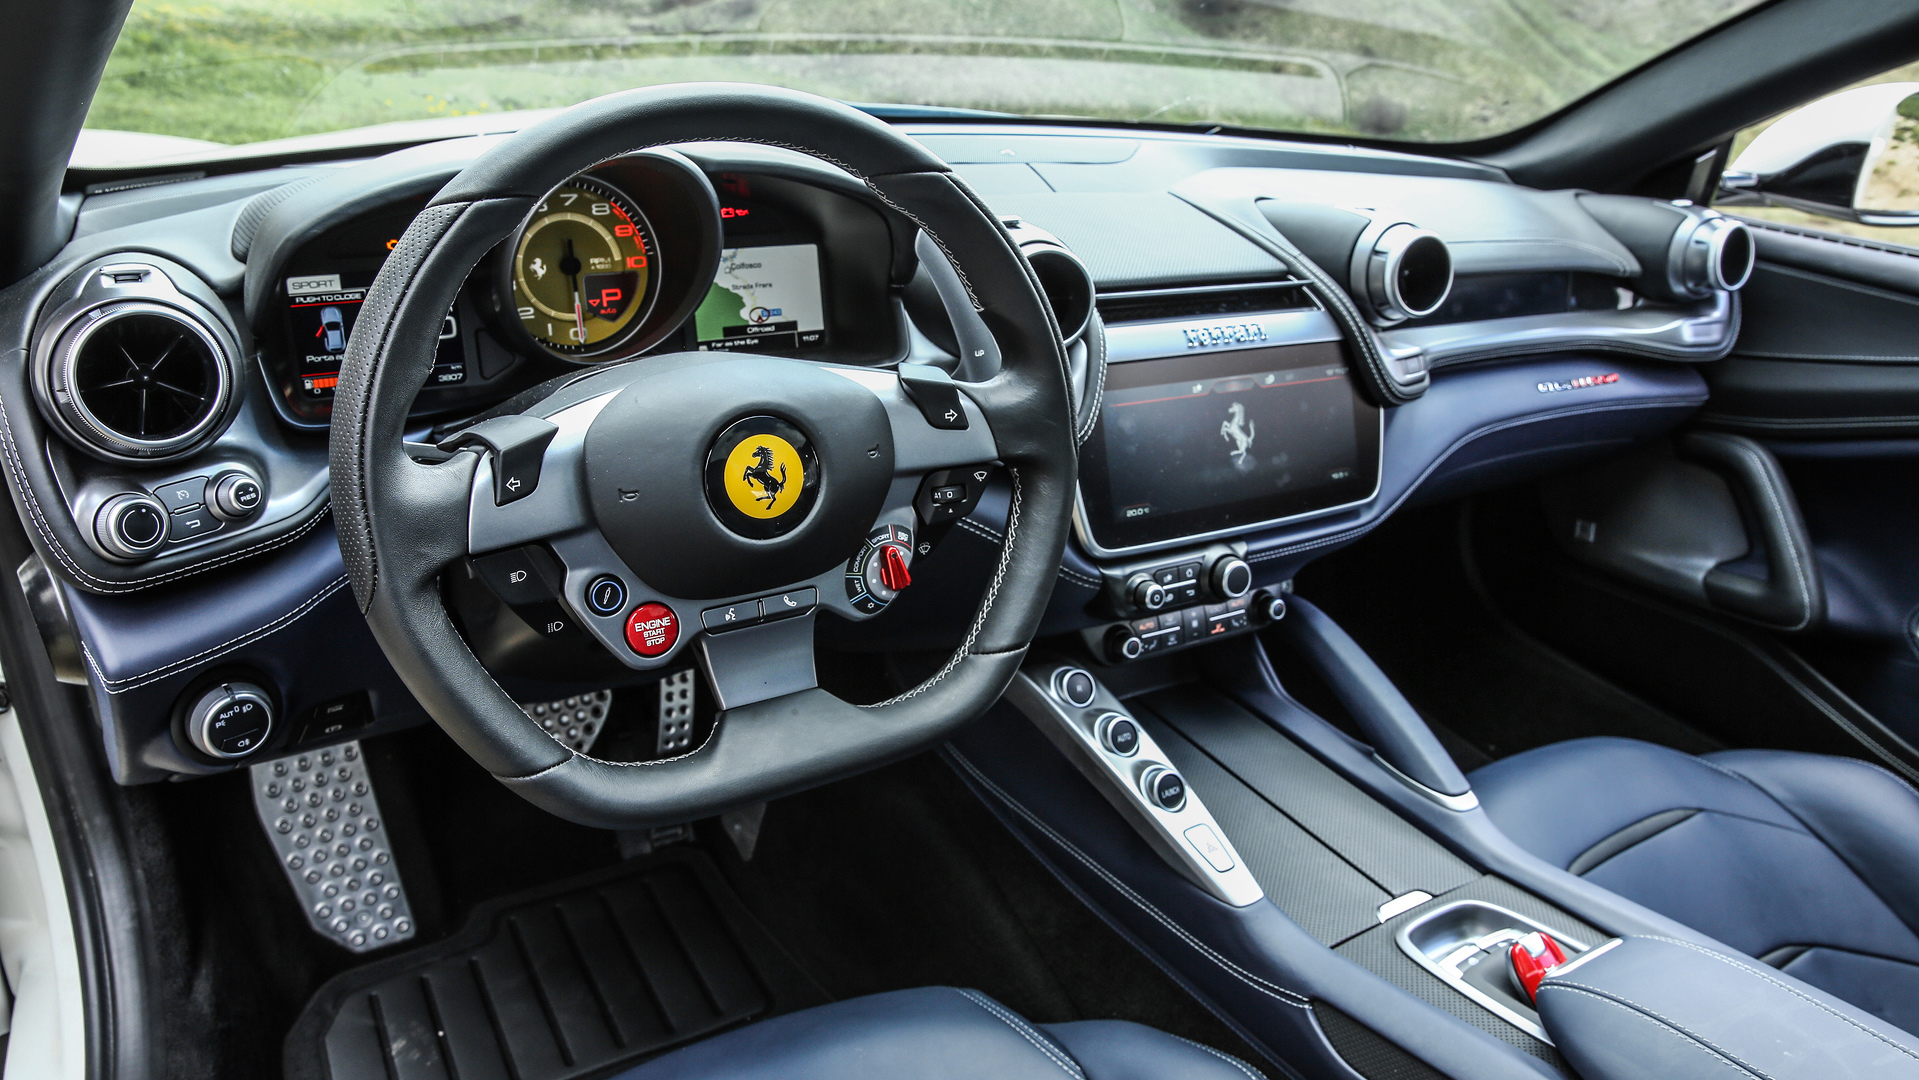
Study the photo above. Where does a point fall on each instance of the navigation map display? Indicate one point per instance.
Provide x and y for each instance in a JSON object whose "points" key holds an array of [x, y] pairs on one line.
{"points": [[764, 298], [1192, 445]]}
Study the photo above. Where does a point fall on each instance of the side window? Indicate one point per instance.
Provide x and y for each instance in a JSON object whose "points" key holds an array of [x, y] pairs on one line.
{"points": [[1847, 163]]}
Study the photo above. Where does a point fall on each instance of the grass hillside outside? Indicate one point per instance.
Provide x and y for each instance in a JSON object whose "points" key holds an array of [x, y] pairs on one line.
{"points": [[239, 71]]}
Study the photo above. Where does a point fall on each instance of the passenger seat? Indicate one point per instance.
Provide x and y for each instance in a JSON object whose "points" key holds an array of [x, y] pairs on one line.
{"points": [[1807, 862]]}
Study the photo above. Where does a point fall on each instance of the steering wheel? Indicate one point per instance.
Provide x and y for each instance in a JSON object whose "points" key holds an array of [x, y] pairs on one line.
{"points": [[621, 481]]}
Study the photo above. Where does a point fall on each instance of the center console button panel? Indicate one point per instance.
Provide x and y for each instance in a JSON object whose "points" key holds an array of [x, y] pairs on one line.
{"points": [[1113, 750], [1180, 599]]}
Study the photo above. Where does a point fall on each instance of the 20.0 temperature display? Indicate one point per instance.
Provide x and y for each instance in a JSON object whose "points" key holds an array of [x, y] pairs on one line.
{"points": [[584, 269]]}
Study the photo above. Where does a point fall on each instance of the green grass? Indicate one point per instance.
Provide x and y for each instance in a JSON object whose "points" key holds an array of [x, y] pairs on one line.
{"points": [[238, 71]]}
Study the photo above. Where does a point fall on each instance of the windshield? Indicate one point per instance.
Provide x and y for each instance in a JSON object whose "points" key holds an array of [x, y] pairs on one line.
{"points": [[186, 75]]}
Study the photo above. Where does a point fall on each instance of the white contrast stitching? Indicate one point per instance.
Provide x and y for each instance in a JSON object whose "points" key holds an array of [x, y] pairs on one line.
{"points": [[133, 682], [1278, 993], [1248, 1070], [1640, 1010], [1025, 1030], [977, 529], [1807, 998], [1095, 392]]}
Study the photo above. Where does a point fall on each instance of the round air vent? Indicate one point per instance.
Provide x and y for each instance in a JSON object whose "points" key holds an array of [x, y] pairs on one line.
{"points": [[1408, 273], [1068, 286], [139, 380], [1713, 252]]}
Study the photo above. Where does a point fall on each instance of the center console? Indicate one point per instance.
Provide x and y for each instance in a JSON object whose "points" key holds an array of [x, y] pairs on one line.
{"points": [[1339, 900]]}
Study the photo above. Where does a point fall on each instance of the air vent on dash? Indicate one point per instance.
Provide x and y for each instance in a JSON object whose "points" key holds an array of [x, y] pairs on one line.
{"points": [[1210, 301], [139, 380]]}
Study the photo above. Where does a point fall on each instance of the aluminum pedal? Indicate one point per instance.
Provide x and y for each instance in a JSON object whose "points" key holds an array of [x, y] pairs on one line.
{"points": [[676, 713], [576, 721], [324, 822]]}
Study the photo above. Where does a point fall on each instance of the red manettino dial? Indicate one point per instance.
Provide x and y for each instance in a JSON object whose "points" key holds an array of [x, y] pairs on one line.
{"points": [[893, 573], [652, 629]]}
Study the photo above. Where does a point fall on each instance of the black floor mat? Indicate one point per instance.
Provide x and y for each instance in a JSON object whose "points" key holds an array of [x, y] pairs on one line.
{"points": [[572, 981]]}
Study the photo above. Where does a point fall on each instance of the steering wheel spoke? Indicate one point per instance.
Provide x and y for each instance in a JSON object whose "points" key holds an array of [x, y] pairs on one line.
{"points": [[555, 502], [751, 664]]}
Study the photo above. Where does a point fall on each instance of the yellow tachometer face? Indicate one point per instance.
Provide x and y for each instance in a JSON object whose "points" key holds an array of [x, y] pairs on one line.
{"points": [[582, 271]]}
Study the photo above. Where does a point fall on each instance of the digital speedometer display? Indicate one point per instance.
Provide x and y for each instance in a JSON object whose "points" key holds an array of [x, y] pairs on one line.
{"points": [[584, 269]]}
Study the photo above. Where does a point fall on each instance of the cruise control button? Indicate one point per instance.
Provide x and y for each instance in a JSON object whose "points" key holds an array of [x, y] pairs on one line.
{"points": [[788, 605], [182, 494], [719, 620], [652, 629]]}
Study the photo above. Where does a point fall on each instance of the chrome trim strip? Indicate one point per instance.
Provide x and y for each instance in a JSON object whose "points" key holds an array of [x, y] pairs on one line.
{"points": [[1199, 290], [1188, 337], [1075, 731], [1681, 333], [1459, 804], [1572, 965]]}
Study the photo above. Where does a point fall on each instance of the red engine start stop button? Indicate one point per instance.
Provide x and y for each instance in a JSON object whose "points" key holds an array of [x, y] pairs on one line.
{"points": [[652, 629]]}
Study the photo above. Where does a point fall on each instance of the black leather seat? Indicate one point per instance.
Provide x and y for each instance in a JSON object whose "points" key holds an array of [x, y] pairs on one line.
{"points": [[939, 1033], [1809, 863]]}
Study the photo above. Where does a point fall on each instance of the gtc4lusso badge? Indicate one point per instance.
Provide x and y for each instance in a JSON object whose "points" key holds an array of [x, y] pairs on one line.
{"points": [[762, 477]]}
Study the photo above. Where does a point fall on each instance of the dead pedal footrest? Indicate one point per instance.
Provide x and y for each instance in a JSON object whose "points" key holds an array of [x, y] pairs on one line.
{"points": [[320, 812]]}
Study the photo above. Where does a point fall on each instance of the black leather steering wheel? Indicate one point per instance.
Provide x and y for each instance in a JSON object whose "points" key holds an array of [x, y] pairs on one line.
{"points": [[622, 483]]}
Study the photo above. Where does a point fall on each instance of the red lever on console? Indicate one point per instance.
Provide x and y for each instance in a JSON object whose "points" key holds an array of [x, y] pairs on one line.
{"points": [[893, 573], [1534, 958]]}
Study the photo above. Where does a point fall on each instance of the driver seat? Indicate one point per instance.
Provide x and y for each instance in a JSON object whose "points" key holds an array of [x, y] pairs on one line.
{"points": [[1807, 862], [939, 1033]]}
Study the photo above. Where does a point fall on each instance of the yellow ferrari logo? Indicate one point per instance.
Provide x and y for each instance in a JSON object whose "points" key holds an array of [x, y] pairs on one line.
{"points": [[764, 476]]}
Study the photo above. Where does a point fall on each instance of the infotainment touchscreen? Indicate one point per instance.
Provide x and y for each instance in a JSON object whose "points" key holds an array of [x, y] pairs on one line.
{"points": [[764, 298], [1190, 446]]}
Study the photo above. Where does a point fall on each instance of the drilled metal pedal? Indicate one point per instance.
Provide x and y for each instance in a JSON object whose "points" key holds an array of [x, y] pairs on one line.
{"points": [[576, 721], [676, 713], [324, 821]]}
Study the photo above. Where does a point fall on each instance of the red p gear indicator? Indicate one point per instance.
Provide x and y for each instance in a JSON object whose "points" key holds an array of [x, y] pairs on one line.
{"points": [[652, 629]]}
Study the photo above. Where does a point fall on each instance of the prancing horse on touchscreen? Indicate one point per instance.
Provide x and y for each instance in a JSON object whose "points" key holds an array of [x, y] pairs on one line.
{"points": [[1238, 430]]}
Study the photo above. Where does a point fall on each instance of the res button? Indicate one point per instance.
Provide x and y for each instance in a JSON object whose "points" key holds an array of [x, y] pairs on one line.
{"points": [[652, 629]]}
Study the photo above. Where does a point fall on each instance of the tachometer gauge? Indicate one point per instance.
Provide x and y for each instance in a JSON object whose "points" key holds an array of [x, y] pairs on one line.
{"points": [[584, 269]]}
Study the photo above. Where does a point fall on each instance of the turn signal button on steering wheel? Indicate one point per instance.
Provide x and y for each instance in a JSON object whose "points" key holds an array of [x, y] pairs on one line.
{"points": [[652, 629]]}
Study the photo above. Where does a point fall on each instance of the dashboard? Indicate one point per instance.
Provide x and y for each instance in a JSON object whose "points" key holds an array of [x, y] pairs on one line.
{"points": [[1273, 346]]}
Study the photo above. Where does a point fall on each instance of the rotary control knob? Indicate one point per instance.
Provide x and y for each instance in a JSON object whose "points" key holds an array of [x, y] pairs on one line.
{"points": [[880, 569], [1268, 607], [1123, 645], [235, 495], [230, 721], [131, 526], [1145, 593], [1231, 578]]}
